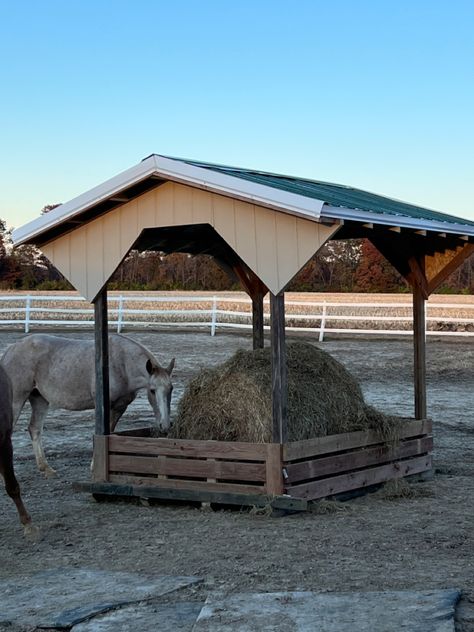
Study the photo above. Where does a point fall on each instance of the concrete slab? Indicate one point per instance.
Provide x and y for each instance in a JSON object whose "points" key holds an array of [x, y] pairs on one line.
{"points": [[61, 598], [169, 617], [390, 611]]}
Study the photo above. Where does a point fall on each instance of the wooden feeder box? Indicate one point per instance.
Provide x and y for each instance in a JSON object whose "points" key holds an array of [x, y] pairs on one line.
{"points": [[285, 476]]}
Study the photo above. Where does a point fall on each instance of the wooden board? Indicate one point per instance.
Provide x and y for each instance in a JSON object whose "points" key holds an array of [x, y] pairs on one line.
{"points": [[197, 468], [339, 442], [183, 447], [100, 466], [142, 491], [186, 484], [355, 480], [337, 463]]}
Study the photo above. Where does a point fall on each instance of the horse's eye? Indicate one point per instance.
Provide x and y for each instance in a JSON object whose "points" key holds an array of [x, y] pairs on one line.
{"points": [[152, 391]]}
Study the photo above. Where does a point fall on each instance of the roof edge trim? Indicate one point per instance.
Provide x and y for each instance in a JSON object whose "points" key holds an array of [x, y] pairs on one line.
{"points": [[344, 213], [76, 205], [174, 170]]}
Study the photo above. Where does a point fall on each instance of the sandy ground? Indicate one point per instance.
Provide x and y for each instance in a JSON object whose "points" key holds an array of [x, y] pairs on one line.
{"points": [[373, 544]]}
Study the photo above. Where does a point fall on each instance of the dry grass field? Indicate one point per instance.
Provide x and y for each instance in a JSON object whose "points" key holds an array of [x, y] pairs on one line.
{"points": [[446, 313]]}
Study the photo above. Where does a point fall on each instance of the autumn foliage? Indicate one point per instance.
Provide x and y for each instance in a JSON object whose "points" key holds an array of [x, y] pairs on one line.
{"points": [[353, 265]]}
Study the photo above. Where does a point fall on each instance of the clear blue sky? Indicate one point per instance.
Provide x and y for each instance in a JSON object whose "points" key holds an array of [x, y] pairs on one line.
{"points": [[378, 94]]}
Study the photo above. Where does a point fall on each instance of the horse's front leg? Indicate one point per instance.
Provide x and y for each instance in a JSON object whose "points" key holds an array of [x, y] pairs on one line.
{"points": [[39, 408], [117, 409]]}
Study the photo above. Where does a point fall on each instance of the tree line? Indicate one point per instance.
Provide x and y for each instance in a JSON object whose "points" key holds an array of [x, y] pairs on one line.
{"points": [[353, 265]]}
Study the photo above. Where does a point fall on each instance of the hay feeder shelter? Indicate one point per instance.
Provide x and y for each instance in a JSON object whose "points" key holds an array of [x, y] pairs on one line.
{"points": [[262, 228]]}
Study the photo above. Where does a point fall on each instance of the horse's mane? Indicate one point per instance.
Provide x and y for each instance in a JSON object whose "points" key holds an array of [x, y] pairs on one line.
{"points": [[148, 353]]}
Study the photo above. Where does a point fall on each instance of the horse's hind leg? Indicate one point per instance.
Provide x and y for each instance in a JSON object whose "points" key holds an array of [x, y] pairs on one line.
{"points": [[39, 409], [11, 484]]}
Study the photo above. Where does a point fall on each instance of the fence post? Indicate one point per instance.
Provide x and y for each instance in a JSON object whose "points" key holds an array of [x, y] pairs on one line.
{"points": [[323, 323], [27, 314], [120, 314], [214, 316]]}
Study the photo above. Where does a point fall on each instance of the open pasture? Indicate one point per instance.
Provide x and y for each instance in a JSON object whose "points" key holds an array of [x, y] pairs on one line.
{"points": [[368, 543]]}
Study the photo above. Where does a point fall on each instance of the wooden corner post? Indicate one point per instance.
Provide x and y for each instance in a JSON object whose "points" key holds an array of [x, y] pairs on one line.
{"points": [[419, 336], [279, 371], [102, 396], [257, 320], [420, 294]]}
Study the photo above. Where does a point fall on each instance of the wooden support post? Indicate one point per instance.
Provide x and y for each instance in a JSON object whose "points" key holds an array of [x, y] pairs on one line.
{"points": [[419, 339], [279, 371], [100, 463], [102, 395], [257, 320], [256, 289], [273, 469]]}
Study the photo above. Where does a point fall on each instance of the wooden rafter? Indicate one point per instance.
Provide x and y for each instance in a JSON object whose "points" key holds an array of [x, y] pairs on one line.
{"points": [[442, 265]]}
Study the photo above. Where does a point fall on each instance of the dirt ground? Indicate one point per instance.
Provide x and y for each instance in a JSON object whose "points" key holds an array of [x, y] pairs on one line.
{"points": [[372, 544]]}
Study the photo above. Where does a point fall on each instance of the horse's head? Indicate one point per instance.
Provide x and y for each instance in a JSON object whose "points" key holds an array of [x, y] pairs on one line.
{"points": [[159, 393]]}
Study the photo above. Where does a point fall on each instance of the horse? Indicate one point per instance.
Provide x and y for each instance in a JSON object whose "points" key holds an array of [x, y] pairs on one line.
{"points": [[6, 453], [57, 372]]}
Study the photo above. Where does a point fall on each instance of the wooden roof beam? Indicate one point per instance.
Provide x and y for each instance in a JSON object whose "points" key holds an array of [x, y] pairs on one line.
{"points": [[417, 277], [450, 267]]}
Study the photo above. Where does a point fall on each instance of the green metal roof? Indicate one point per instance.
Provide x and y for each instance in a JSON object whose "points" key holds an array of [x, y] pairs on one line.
{"points": [[333, 194]]}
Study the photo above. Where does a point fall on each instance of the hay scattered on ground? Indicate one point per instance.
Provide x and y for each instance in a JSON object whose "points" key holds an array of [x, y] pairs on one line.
{"points": [[324, 507], [399, 488], [232, 402]]}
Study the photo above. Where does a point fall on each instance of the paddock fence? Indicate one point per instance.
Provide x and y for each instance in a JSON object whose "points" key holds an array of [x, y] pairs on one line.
{"points": [[215, 313]]}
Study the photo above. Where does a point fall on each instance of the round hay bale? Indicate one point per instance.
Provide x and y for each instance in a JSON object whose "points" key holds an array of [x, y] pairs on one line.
{"points": [[232, 401]]}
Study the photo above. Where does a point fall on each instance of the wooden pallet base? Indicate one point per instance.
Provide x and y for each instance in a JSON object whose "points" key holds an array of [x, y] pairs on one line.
{"points": [[160, 493]]}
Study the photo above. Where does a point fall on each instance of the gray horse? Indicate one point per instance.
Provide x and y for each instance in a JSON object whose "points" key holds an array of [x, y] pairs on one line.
{"points": [[6, 453], [60, 372]]}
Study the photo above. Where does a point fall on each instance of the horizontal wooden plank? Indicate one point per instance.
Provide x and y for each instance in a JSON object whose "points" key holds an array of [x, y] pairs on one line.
{"points": [[142, 491], [363, 478], [337, 463], [346, 441], [168, 466], [181, 484], [184, 447], [146, 431]]}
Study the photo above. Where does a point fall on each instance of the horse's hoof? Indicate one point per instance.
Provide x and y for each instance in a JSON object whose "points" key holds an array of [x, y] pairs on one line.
{"points": [[31, 532]]}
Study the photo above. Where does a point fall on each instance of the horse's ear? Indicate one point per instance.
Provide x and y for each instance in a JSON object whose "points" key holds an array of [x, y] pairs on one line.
{"points": [[170, 368], [149, 367]]}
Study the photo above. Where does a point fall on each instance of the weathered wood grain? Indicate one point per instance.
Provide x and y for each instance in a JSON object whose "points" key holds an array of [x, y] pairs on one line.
{"points": [[339, 442], [347, 461], [166, 466], [362, 478], [184, 447]]}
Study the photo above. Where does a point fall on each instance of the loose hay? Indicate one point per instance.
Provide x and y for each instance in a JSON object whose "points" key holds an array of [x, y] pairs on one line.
{"points": [[399, 488], [232, 402], [324, 507]]}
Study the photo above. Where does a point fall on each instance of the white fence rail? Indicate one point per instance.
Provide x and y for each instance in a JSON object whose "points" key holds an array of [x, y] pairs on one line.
{"points": [[216, 312]]}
